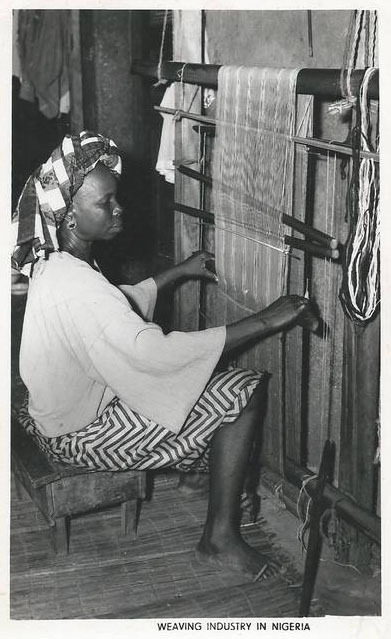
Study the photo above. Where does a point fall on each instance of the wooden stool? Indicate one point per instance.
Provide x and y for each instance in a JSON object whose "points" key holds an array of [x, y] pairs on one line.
{"points": [[61, 491]]}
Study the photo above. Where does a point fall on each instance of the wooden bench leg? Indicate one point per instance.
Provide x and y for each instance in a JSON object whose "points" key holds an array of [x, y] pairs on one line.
{"points": [[20, 491], [60, 531], [130, 511]]}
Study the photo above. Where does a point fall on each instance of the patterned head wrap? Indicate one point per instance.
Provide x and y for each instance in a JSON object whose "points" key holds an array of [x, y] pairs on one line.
{"points": [[48, 193]]}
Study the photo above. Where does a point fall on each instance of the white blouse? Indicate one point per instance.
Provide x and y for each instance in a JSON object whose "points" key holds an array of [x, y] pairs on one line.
{"points": [[83, 344]]}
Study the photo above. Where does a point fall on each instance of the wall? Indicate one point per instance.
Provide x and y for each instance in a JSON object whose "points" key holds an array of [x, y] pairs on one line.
{"points": [[276, 38]]}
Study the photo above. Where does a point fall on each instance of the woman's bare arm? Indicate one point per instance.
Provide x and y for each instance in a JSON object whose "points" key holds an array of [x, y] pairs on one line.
{"points": [[280, 315]]}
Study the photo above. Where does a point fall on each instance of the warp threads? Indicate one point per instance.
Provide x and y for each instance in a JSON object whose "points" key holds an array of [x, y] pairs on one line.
{"points": [[253, 181]]}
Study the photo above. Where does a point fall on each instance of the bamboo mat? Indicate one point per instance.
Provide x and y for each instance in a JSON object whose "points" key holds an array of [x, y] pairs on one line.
{"points": [[109, 576]]}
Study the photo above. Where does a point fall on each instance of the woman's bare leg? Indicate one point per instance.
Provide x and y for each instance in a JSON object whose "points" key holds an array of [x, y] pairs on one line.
{"points": [[221, 541]]}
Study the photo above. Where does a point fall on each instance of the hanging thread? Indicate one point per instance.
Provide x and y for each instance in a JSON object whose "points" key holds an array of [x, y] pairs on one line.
{"points": [[360, 22], [303, 511], [177, 115], [360, 293]]}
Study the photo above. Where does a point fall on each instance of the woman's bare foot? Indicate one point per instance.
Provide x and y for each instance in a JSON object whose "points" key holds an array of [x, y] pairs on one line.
{"points": [[238, 556]]}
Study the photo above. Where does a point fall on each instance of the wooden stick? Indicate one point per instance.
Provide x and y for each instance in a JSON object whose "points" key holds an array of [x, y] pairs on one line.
{"points": [[311, 142], [208, 129], [309, 247], [319, 236], [315, 249], [260, 573], [309, 32], [194, 174], [189, 115], [193, 212], [315, 540], [337, 147]]}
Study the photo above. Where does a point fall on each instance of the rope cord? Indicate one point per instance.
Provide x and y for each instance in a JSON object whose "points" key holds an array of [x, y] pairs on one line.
{"points": [[360, 21], [304, 513], [346, 88], [161, 80], [181, 109], [360, 293]]}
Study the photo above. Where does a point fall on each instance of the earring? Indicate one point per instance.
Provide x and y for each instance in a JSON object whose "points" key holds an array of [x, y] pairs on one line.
{"points": [[72, 225]]}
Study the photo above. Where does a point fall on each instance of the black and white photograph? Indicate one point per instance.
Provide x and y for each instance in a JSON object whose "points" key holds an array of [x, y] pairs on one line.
{"points": [[195, 385]]}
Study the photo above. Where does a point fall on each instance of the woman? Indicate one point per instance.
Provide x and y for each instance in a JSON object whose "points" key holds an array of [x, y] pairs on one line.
{"points": [[107, 389]]}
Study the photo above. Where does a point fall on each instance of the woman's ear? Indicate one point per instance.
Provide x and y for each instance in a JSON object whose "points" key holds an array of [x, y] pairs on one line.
{"points": [[70, 218]]}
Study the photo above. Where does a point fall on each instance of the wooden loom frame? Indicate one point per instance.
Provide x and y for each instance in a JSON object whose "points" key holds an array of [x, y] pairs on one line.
{"points": [[322, 83]]}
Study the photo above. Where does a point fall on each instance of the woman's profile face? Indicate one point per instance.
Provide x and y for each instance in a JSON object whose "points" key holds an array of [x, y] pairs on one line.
{"points": [[97, 213]]}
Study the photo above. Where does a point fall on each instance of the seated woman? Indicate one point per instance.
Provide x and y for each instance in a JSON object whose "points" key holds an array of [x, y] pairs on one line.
{"points": [[107, 389]]}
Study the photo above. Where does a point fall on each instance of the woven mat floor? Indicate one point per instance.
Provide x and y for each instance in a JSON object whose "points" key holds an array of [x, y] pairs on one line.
{"points": [[109, 576]]}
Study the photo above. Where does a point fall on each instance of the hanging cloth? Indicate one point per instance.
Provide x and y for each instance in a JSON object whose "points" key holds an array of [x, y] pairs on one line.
{"points": [[43, 58], [165, 161]]}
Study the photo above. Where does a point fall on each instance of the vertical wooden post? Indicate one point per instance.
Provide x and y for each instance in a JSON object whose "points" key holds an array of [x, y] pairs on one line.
{"points": [[187, 236], [87, 52], [114, 99], [60, 532], [357, 473], [115, 104], [293, 374], [75, 73], [130, 511], [360, 406], [326, 470]]}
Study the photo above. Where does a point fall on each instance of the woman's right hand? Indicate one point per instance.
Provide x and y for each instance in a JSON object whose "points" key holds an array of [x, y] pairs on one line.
{"points": [[280, 315], [283, 312]]}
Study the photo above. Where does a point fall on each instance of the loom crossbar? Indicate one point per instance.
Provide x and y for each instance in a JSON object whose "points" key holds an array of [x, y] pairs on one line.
{"points": [[368, 523], [185, 170], [315, 249], [309, 247], [319, 236], [189, 115], [336, 147], [323, 83], [193, 212], [327, 145], [288, 487]]}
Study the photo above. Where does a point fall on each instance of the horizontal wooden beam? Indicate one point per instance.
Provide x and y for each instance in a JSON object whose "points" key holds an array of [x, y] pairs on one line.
{"points": [[179, 113], [193, 212], [334, 147], [323, 83], [288, 489], [347, 509], [196, 175], [203, 74], [311, 248]]}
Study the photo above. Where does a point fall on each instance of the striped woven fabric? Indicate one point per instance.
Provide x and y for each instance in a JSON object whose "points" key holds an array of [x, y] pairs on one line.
{"points": [[48, 193], [121, 439]]}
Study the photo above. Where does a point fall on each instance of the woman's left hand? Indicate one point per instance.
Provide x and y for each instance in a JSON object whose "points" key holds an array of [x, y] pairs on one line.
{"points": [[200, 265]]}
